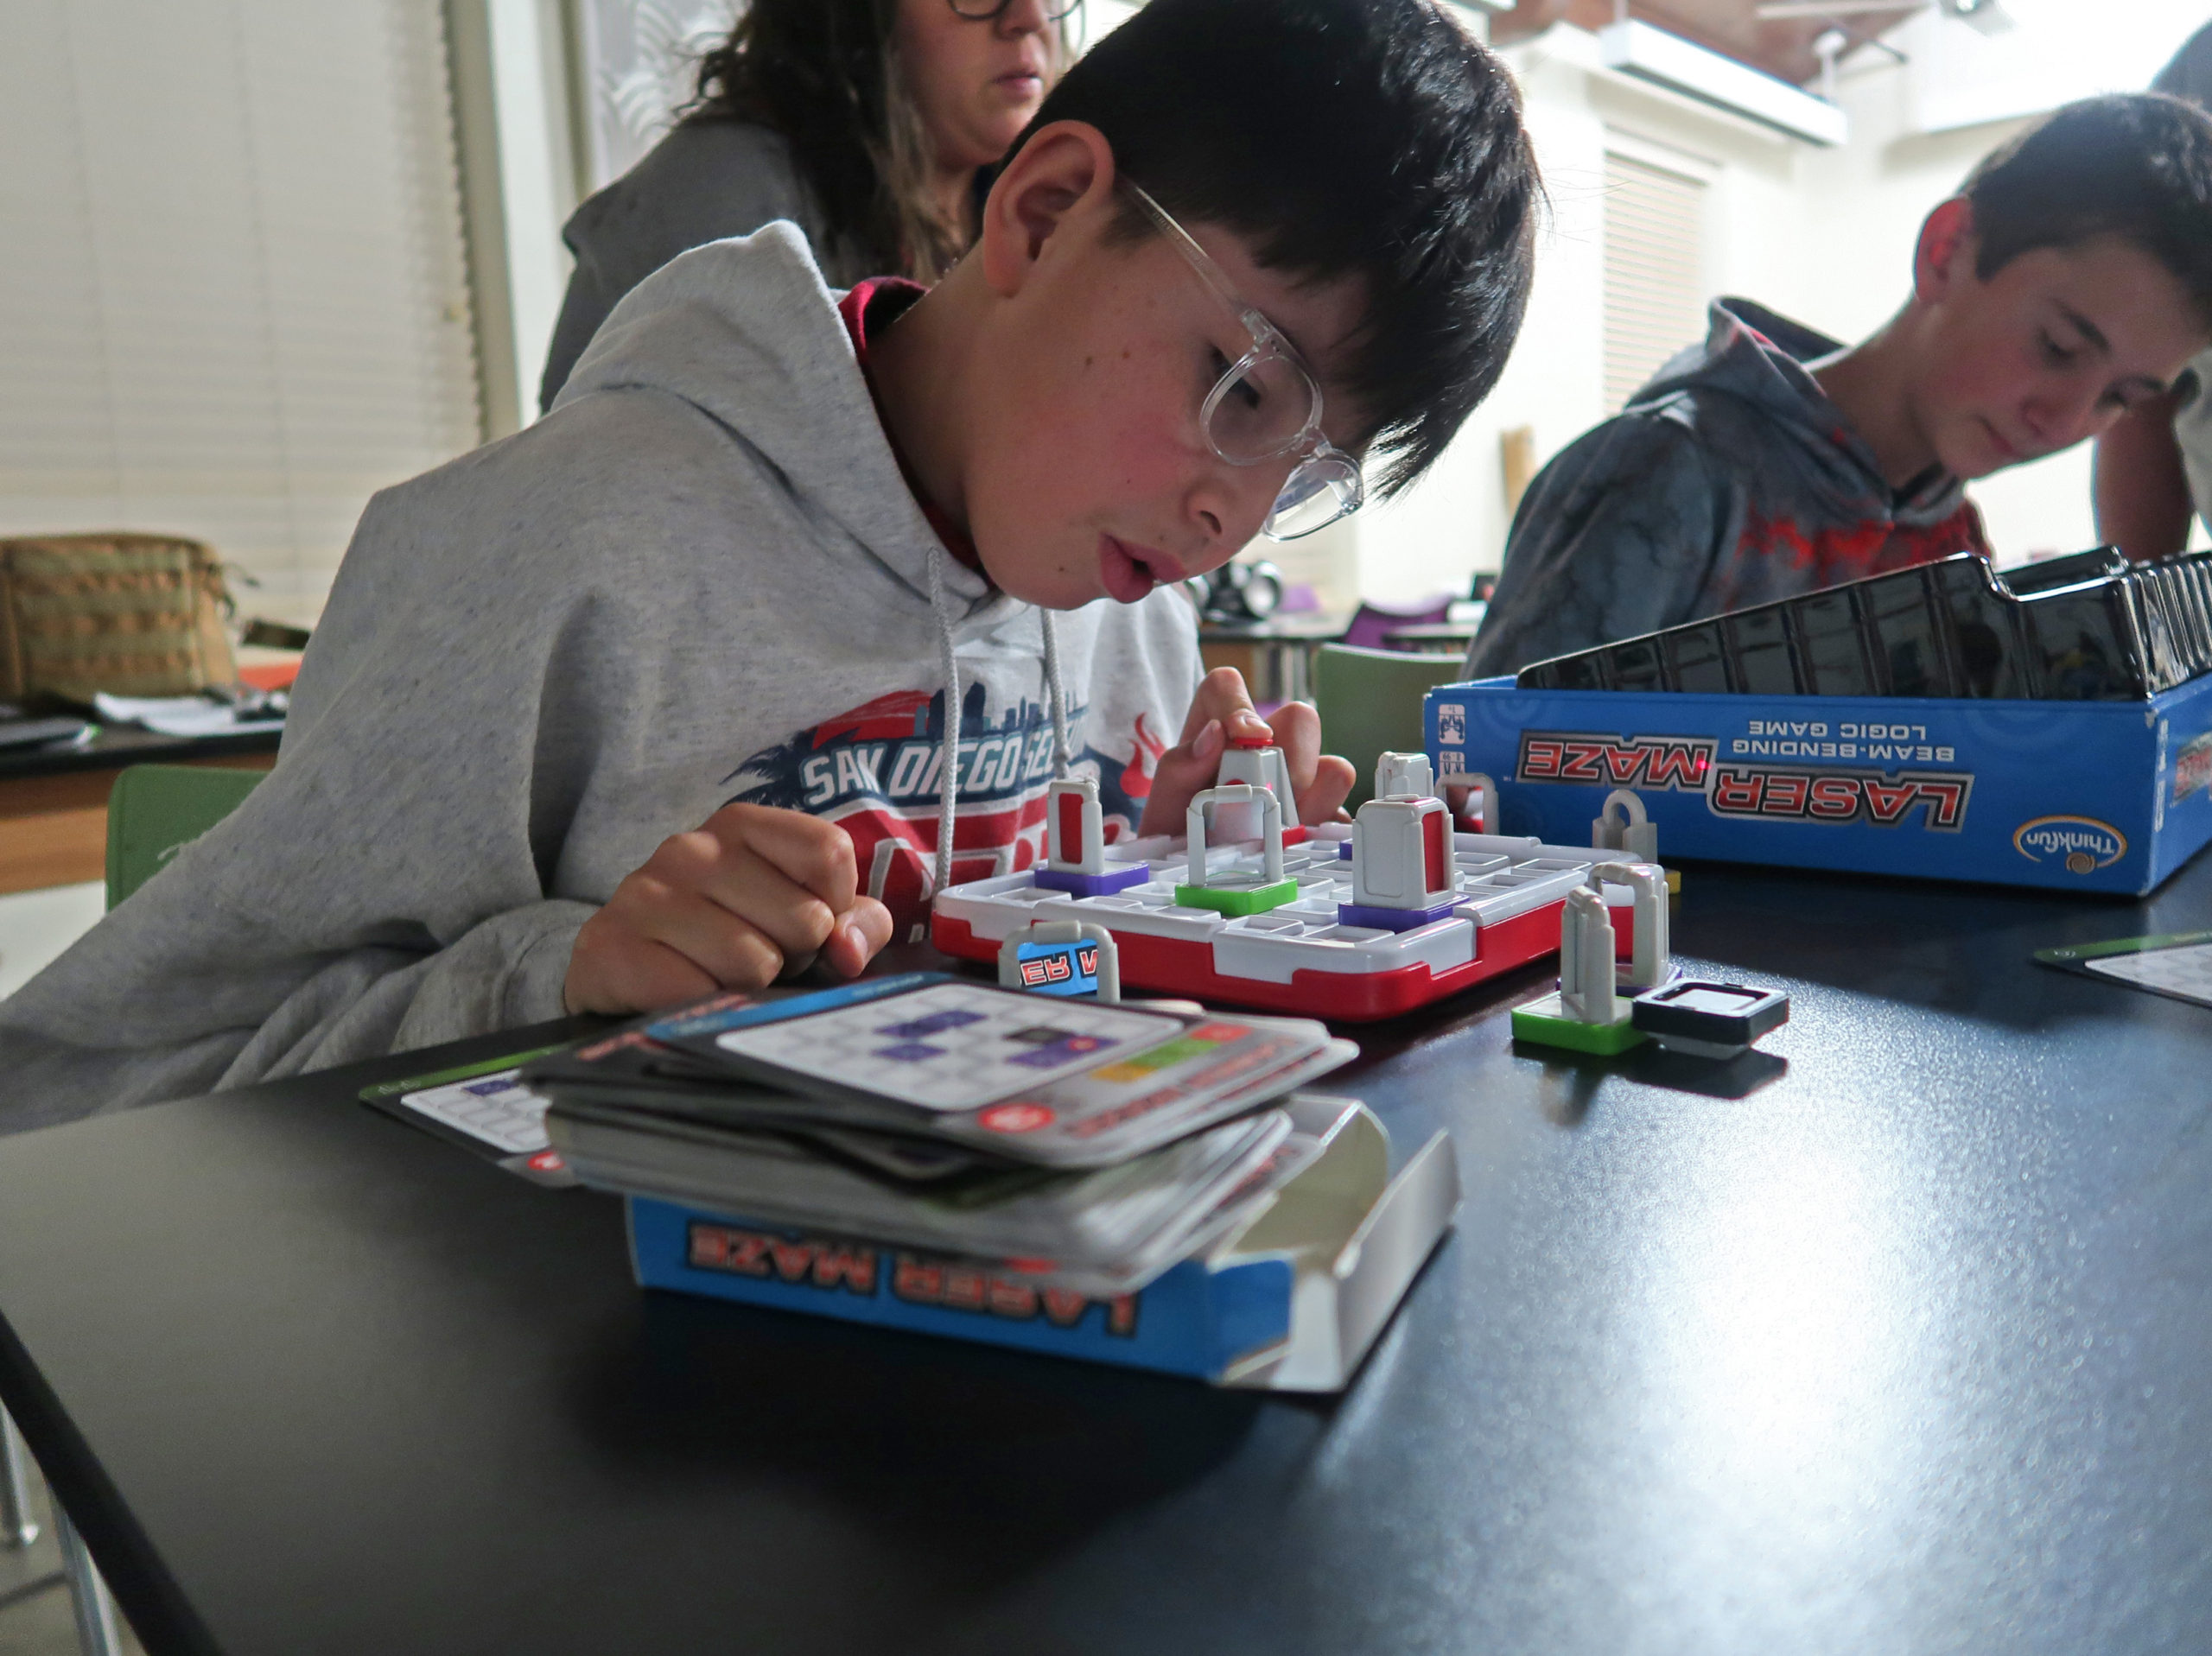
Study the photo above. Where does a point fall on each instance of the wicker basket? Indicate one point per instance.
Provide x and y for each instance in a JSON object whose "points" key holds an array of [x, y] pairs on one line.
{"points": [[129, 614]]}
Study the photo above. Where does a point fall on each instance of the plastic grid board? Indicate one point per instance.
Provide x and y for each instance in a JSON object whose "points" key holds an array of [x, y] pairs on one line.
{"points": [[1299, 957]]}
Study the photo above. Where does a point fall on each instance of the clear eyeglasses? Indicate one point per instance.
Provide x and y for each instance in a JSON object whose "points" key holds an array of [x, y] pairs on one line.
{"points": [[983, 10], [1266, 404]]}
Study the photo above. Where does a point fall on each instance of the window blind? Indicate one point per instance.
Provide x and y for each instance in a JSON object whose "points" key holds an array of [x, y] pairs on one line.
{"points": [[1653, 281], [235, 298]]}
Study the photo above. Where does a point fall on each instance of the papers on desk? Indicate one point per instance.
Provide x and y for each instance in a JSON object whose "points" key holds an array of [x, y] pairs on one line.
{"points": [[48, 733], [195, 715]]}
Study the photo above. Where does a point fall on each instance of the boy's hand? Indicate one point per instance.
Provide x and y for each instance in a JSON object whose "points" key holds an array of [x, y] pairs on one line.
{"points": [[754, 895], [1222, 709]]}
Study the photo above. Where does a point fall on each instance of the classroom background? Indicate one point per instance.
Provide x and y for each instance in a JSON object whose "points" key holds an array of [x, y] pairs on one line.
{"points": [[266, 258]]}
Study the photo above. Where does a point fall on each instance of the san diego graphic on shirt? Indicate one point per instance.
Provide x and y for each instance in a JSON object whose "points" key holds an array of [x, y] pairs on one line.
{"points": [[875, 771]]}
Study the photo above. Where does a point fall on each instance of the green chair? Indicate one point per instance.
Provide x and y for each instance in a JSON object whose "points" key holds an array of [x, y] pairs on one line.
{"points": [[155, 810], [152, 812], [1369, 702]]}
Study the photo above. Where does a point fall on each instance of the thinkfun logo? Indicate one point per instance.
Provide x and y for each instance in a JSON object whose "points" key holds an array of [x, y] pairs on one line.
{"points": [[2082, 844]]}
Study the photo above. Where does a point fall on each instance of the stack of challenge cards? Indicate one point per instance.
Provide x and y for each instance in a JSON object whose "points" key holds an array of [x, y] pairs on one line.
{"points": [[1087, 1146]]}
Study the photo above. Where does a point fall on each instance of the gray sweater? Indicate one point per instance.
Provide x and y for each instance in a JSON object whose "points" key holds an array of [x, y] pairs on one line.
{"points": [[700, 578], [1729, 480], [699, 184]]}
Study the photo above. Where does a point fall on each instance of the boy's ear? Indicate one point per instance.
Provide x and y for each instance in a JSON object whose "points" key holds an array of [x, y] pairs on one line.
{"points": [[1065, 171], [1945, 253]]}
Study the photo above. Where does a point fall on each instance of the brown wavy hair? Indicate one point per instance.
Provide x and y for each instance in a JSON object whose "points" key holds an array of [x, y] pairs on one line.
{"points": [[826, 74]]}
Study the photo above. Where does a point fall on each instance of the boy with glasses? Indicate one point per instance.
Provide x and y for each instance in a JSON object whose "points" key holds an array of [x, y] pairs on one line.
{"points": [[789, 612]]}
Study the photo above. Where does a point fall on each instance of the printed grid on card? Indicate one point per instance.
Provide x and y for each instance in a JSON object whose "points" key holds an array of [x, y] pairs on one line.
{"points": [[496, 1110], [954, 1046], [2185, 971]]}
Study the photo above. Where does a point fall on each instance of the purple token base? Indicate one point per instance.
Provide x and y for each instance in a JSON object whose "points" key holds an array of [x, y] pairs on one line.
{"points": [[1362, 914], [1117, 880]]}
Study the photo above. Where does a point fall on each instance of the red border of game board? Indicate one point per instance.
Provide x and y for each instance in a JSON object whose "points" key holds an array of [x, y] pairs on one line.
{"points": [[1184, 966]]}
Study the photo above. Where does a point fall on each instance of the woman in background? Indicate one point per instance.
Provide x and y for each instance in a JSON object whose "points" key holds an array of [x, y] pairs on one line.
{"points": [[867, 123]]}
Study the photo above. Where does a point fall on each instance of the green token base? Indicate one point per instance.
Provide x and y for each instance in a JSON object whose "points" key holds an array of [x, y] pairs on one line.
{"points": [[1543, 1023], [1229, 900]]}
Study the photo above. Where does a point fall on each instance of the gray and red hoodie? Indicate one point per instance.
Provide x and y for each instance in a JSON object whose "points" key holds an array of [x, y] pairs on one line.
{"points": [[1729, 480], [701, 579]]}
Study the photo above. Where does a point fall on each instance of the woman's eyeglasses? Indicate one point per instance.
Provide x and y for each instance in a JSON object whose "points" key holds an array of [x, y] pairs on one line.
{"points": [[979, 11], [1266, 404]]}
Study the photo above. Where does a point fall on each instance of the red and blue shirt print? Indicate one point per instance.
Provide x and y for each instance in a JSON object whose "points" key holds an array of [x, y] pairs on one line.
{"points": [[875, 772]]}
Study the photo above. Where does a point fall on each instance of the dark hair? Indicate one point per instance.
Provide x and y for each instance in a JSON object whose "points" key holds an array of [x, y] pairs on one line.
{"points": [[825, 73], [1373, 139], [2134, 165]]}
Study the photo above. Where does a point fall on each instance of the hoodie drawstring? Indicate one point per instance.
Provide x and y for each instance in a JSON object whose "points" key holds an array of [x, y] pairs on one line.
{"points": [[1060, 697], [948, 768]]}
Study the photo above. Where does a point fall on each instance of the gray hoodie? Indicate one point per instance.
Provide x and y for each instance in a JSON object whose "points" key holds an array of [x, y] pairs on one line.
{"points": [[1729, 480], [700, 579]]}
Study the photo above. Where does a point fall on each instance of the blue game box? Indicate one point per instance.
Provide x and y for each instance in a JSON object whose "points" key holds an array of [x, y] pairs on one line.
{"points": [[1291, 1302], [2106, 795]]}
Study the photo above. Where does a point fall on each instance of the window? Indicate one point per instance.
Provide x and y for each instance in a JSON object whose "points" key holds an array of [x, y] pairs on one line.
{"points": [[235, 293], [1654, 269]]}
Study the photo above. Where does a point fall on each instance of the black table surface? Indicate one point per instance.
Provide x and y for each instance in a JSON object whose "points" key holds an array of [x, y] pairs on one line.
{"points": [[120, 745], [1897, 1337]]}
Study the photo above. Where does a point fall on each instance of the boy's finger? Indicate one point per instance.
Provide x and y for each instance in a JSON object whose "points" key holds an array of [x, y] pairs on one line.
{"points": [[616, 973], [1222, 694], [1191, 766], [1320, 781], [761, 895], [1178, 773], [1323, 799], [861, 931], [806, 850], [731, 950], [1297, 730], [721, 867]]}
